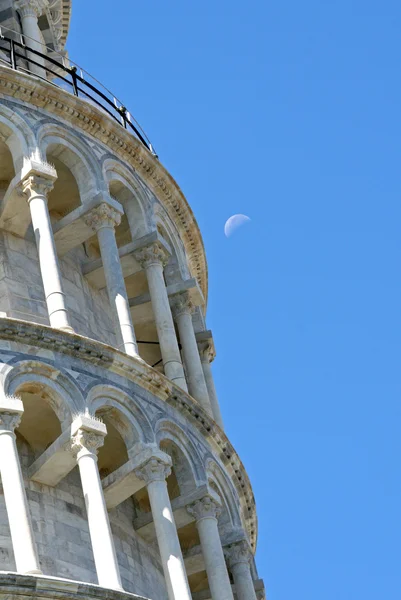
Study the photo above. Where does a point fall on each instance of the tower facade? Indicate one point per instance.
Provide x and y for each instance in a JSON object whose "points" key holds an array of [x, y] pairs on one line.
{"points": [[116, 472]]}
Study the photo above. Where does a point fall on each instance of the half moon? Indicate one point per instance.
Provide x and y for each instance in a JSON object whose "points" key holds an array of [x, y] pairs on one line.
{"points": [[233, 223]]}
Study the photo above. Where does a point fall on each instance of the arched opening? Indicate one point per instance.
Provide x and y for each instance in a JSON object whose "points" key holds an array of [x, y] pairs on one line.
{"points": [[65, 195], [135, 217], [230, 515], [39, 426], [172, 272], [113, 454], [182, 480], [7, 169]]}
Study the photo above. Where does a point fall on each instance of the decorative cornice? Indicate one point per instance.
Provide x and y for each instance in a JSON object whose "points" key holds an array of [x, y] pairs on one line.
{"points": [[96, 123], [99, 354], [59, 13]]}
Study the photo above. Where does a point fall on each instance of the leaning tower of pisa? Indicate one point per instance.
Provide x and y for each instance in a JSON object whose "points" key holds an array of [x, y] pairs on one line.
{"points": [[117, 479]]}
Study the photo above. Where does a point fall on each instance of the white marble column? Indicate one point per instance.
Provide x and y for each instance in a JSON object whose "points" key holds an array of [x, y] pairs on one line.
{"points": [[103, 220], [153, 259], [206, 512], [30, 11], [154, 473], [35, 188], [239, 557], [19, 518], [207, 356], [87, 437], [182, 309]]}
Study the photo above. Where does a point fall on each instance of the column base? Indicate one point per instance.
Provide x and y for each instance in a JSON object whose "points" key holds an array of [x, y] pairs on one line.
{"points": [[33, 572]]}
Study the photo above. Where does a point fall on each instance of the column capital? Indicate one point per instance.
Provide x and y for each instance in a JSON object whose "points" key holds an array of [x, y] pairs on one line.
{"points": [[154, 254], [103, 215], [30, 8], [87, 436], [206, 351], [155, 469], [237, 553], [86, 442], [206, 347], [11, 410], [205, 508], [34, 185], [181, 304]]}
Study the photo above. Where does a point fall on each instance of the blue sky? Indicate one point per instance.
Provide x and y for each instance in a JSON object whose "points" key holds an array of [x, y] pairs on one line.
{"points": [[289, 113]]}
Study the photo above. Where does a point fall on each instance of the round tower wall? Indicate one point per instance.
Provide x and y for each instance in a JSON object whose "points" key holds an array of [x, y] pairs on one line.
{"points": [[67, 173]]}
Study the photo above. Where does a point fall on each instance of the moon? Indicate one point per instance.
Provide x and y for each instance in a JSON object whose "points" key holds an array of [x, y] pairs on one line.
{"points": [[233, 223]]}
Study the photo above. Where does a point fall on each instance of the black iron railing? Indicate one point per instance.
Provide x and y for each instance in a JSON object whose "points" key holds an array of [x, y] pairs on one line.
{"points": [[22, 57]]}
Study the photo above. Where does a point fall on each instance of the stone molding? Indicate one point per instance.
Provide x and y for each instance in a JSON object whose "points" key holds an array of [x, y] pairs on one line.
{"points": [[101, 355], [237, 553], [96, 123], [154, 470], [103, 216], [16, 585], [206, 508], [154, 254], [181, 304]]}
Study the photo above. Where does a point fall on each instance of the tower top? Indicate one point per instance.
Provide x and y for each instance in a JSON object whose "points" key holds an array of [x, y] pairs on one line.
{"points": [[53, 19]]}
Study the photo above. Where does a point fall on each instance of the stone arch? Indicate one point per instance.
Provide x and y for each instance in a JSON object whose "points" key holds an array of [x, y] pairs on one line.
{"points": [[125, 187], [74, 154], [187, 463], [21, 139], [128, 418], [221, 484], [177, 267], [63, 395], [50, 400]]}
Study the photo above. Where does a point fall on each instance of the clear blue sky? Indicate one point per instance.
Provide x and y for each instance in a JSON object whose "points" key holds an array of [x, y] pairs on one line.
{"points": [[288, 112]]}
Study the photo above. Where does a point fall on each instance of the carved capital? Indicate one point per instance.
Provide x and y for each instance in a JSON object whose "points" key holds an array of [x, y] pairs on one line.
{"points": [[36, 185], [103, 216], [181, 304], [153, 254], [9, 421], [86, 442], [206, 508], [30, 8], [11, 409], [206, 351], [237, 553], [154, 470]]}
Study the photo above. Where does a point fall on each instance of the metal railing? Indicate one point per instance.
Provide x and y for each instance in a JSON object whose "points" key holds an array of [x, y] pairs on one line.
{"points": [[22, 57]]}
